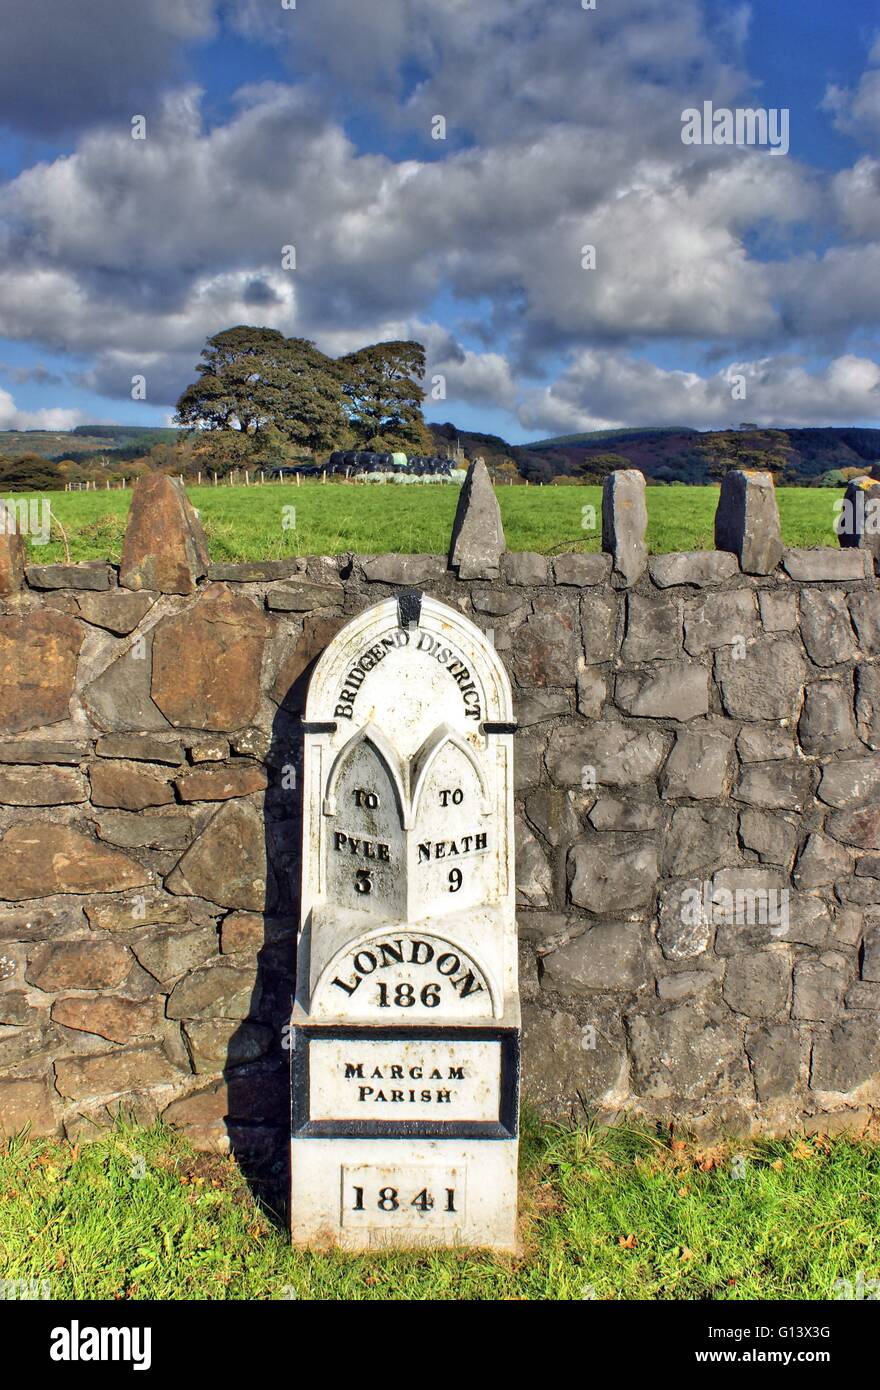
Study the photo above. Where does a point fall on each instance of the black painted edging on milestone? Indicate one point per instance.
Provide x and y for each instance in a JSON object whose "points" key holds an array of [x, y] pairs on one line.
{"points": [[505, 1127]]}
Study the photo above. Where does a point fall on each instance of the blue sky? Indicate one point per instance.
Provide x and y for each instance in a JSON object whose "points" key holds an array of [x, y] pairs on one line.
{"points": [[729, 283]]}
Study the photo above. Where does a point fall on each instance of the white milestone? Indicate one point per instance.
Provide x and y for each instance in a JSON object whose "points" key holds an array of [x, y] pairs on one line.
{"points": [[406, 1025]]}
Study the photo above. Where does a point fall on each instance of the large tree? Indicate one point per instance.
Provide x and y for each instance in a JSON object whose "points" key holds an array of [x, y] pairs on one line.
{"points": [[255, 379], [383, 398]]}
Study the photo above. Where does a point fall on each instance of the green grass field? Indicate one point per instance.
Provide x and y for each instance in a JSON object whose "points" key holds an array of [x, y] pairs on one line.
{"points": [[256, 523], [605, 1214]]}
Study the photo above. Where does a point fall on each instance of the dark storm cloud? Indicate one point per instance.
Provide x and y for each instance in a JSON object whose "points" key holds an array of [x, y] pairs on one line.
{"points": [[67, 64]]}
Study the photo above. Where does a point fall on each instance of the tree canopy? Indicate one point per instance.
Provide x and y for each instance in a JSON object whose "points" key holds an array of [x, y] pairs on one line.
{"points": [[257, 383], [29, 473], [766, 450], [595, 467], [383, 398], [254, 379]]}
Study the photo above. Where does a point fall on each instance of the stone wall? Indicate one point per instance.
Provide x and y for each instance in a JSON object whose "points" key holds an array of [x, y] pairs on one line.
{"points": [[684, 727]]}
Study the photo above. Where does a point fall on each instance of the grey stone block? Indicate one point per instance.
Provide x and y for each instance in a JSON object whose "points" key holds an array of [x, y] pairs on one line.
{"points": [[825, 626], [871, 952], [772, 836], [653, 627], [613, 873], [747, 520], [604, 754], [698, 765], [862, 892], [619, 813], [538, 706], [525, 567], [864, 610], [815, 565], [624, 523], [820, 862], [303, 596], [254, 571], [592, 692], [582, 570], [779, 609], [534, 879], [777, 786], [868, 703], [720, 620], [859, 521], [611, 955], [141, 748], [91, 575], [765, 743], [568, 1063], [819, 986], [673, 690], [552, 812], [598, 627], [547, 647], [765, 683], [685, 984], [849, 1056], [826, 724], [684, 928], [37, 751], [850, 782], [774, 1051], [700, 838], [757, 983], [696, 567], [688, 1052]]}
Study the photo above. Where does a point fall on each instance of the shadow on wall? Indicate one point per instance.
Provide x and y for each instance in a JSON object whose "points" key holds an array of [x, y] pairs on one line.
{"points": [[257, 1069]]}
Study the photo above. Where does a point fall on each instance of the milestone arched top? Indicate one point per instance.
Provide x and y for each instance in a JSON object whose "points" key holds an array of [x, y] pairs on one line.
{"points": [[396, 662]]}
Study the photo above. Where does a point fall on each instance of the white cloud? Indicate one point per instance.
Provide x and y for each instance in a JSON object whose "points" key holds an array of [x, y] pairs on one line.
{"points": [[11, 418], [610, 390], [856, 110]]}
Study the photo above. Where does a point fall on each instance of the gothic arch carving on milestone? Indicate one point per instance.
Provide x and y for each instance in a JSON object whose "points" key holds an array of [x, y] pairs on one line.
{"points": [[386, 756]]}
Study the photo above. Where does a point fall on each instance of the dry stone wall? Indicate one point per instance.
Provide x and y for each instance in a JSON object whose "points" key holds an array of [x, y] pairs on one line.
{"points": [[698, 829]]}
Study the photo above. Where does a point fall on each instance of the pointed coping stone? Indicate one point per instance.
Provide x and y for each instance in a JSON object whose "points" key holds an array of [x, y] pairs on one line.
{"points": [[164, 547], [624, 523], [13, 557], [859, 521], [477, 534], [747, 520]]}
